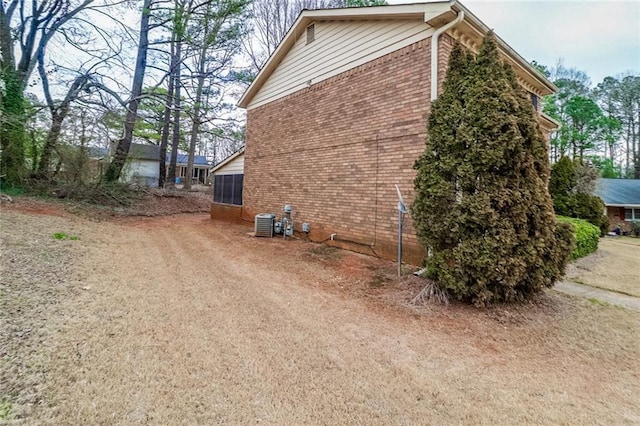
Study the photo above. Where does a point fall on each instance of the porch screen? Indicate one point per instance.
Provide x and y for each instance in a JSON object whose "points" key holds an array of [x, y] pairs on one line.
{"points": [[227, 189]]}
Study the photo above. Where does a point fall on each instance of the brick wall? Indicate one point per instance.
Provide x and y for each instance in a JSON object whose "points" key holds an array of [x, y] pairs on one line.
{"points": [[616, 218], [335, 150], [226, 212]]}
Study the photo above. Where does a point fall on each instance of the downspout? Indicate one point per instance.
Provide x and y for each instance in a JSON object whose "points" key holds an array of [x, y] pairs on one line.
{"points": [[434, 53]]}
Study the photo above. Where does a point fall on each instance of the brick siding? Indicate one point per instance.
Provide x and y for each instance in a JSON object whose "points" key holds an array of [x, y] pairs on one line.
{"points": [[226, 212], [335, 150], [616, 218]]}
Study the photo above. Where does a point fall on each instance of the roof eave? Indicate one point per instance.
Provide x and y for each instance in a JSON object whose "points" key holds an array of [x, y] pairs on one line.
{"points": [[632, 206], [306, 17], [550, 122], [427, 11], [508, 50], [227, 160]]}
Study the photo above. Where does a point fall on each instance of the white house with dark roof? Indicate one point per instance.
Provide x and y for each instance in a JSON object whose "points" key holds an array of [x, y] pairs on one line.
{"points": [[200, 171], [143, 165]]}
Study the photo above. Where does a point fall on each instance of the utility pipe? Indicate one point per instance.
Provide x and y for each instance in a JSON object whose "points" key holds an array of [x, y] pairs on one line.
{"points": [[434, 53]]}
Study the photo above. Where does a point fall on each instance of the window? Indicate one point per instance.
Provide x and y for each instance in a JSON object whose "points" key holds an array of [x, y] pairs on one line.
{"points": [[631, 214], [311, 33], [227, 189], [534, 101]]}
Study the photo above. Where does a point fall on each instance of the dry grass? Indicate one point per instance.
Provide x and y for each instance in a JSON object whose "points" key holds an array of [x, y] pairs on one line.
{"points": [[35, 278], [615, 266], [189, 321], [635, 241]]}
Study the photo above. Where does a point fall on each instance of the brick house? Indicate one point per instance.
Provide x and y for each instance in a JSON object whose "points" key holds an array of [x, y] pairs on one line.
{"points": [[337, 117], [622, 201]]}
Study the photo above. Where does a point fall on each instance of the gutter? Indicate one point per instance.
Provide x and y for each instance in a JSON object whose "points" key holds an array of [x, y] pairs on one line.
{"points": [[434, 53], [507, 50]]}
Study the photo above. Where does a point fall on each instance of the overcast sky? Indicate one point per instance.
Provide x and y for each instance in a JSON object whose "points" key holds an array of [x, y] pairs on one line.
{"points": [[599, 37]]}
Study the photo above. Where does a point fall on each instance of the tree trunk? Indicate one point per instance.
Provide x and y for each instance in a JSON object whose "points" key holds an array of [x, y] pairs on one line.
{"points": [[196, 121], [636, 151], [33, 151], [122, 150], [57, 117], [12, 130], [58, 114], [628, 153], [175, 140], [166, 127], [31, 33]]}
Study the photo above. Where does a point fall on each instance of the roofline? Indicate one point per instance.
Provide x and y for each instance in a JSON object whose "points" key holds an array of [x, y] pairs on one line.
{"points": [[403, 11], [227, 160], [555, 124], [510, 52], [306, 17], [633, 206]]}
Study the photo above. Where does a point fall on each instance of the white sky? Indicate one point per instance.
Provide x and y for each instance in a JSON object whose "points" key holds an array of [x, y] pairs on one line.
{"points": [[599, 37]]}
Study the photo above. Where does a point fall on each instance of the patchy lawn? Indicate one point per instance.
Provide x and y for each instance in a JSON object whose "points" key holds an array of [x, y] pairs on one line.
{"points": [[182, 320], [615, 266]]}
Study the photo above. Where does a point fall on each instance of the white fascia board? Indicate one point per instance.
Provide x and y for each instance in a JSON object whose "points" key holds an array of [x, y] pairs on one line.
{"points": [[423, 11]]}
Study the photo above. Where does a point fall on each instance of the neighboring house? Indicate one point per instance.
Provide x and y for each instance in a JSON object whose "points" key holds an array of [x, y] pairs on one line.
{"points": [[98, 160], [200, 172], [338, 114], [97, 153], [228, 178], [143, 165], [621, 199]]}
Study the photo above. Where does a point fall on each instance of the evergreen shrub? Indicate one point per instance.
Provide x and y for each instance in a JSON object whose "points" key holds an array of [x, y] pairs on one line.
{"points": [[482, 205], [569, 181], [586, 236]]}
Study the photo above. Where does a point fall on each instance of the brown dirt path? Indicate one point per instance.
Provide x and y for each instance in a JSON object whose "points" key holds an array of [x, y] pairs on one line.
{"points": [[189, 321]]}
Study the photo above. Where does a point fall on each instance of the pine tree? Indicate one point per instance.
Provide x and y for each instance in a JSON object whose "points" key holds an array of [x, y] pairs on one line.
{"points": [[482, 205]]}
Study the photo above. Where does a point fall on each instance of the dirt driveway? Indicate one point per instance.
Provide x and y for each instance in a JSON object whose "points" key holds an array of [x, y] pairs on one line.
{"points": [[181, 320]]}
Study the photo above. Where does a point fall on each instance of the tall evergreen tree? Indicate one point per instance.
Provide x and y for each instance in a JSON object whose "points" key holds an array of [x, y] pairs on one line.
{"points": [[482, 205]]}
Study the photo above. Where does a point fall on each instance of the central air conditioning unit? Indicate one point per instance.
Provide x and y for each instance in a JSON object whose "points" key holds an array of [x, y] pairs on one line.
{"points": [[264, 225]]}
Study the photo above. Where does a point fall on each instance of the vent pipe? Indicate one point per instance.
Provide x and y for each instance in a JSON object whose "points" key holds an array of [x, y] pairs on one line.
{"points": [[434, 53]]}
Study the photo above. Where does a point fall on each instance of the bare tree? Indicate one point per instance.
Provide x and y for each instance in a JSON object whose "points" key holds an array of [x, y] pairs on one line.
{"points": [[217, 35], [166, 126], [122, 149], [25, 30], [271, 20], [182, 10]]}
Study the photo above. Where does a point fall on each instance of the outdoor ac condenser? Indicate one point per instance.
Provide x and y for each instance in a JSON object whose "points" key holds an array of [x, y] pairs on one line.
{"points": [[264, 225]]}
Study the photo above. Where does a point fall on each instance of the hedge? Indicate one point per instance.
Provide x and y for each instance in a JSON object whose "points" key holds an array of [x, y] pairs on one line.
{"points": [[586, 235]]}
